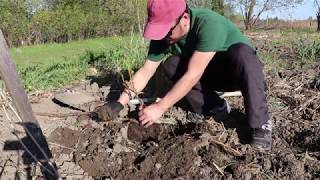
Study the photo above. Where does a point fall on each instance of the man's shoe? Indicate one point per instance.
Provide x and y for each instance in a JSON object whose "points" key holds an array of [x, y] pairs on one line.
{"points": [[221, 113], [262, 137]]}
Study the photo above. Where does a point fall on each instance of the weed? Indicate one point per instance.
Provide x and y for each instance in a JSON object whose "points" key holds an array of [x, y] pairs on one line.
{"points": [[270, 58], [307, 52], [52, 75], [55, 71], [298, 30], [123, 56]]}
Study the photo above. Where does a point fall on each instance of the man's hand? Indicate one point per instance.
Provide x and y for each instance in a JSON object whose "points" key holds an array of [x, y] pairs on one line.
{"points": [[109, 111], [150, 114]]}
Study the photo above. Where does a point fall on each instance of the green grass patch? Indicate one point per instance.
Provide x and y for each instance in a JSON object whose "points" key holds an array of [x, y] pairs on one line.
{"points": [[59, 52], [308, 52], [123, 56], [287, 50], [298, 30], [47, 67], [52, 75], [51, 66]]}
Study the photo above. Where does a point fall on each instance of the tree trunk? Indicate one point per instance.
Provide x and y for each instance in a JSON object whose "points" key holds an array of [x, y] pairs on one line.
{"points": [[248, 14], [318, 20], [247, 24]]}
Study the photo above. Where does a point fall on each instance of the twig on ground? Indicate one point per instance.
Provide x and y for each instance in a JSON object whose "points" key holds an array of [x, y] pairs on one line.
{"points": [[12, 164], [232, 135], [59, 145], [268, 177], [226, 147], [304, 105], [212, 124], [251, 167], [3, 167], [309, 153], [206, 139], [307, 157], [224, 130], [61, 115], [218, 168]]}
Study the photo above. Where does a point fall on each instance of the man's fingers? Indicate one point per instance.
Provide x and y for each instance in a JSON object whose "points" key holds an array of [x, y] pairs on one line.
{"points": [[140, 113], [145, 118], [142, 118], [148, 124], [144, 122]]}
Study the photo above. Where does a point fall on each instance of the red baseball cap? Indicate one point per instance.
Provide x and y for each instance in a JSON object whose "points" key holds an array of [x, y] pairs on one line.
{"points": [[161, 15]]}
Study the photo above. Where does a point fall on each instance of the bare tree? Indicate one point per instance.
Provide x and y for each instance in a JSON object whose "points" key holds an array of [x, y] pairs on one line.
{"points": [[318, 14], [251, 10]]}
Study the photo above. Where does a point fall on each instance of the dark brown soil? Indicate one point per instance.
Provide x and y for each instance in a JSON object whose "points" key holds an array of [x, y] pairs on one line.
{"points": [[189, 146], [203, 148]]}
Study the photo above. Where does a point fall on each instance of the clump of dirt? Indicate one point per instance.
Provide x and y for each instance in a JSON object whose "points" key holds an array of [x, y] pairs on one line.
{"points": [[66, 138], [138, 133]]}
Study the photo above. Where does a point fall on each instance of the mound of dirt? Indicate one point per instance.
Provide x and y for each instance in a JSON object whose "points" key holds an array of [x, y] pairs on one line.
{"points": [[191, 151]]}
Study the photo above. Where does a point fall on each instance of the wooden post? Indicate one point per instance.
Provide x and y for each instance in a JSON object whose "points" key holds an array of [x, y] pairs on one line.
{"points": [[39, 145]]}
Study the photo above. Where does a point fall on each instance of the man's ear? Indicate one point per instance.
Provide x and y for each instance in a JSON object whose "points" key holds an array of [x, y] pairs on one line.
{"points": [[186, 18]]}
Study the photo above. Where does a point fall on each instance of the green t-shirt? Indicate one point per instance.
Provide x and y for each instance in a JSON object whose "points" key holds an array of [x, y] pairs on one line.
{"points": [[209, 32]]}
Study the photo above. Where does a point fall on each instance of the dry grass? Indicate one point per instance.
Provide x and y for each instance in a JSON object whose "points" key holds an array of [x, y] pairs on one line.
{"points": [[296, 24]]}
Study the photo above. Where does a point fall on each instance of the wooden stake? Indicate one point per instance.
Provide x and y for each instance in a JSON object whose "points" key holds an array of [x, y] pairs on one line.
{"points": [[13, 84]]}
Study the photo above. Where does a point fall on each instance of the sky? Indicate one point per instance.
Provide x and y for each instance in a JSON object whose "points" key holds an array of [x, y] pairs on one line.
{"points": [[301, 12]]}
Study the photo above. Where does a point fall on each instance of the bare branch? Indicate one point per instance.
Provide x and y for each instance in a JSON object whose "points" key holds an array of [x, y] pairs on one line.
{"points": [[251, 10], [317, 3]]}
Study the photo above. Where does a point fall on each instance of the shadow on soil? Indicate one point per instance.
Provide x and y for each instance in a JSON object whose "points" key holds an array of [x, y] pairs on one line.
{"points": [[35, 150], [306, 141], [238, 120]]}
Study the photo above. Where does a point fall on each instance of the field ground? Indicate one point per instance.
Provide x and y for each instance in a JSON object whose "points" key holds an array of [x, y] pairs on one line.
{"points": [[187, 146]]}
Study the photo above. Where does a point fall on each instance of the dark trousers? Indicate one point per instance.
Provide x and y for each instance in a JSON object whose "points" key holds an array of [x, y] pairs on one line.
{"points": [[236, 69]]}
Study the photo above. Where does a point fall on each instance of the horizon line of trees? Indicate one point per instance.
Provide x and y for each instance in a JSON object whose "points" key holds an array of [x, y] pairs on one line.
{"points": [[28, 22]]}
